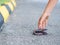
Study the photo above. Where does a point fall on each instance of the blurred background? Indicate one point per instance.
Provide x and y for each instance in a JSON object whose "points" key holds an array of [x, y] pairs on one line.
{"points": [[20, 25], [43, 1]]}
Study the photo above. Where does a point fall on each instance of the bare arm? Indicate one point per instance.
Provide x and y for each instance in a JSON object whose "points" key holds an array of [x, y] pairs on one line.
{"points": [[43, 19]]}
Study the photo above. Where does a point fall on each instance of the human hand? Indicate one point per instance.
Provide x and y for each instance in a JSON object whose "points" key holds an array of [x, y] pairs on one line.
{"points": [[42, 22]]}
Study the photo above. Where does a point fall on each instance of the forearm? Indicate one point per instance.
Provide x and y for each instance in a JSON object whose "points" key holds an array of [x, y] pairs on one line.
{"points": [[51, 4], [44, 18]]}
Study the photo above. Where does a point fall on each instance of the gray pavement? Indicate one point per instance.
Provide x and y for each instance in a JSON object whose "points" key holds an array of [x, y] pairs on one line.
{"points": [[20, 25]]}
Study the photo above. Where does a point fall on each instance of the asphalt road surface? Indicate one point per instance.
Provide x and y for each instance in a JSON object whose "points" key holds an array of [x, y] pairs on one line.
{"points": [[20, 25]]}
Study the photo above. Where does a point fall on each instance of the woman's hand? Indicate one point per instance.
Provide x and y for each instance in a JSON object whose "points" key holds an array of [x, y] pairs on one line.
{"points": [[44, 18], [43, 21]]}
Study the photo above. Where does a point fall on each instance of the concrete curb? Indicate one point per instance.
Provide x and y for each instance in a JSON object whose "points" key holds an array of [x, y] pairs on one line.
{"points": [[5, 11]]}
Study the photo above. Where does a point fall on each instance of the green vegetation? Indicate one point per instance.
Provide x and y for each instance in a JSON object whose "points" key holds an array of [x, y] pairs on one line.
{"points": [[3, 1]]}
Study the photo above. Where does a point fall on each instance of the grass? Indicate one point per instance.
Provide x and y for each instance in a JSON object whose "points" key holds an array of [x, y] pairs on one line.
{"points": [[3, 1]]}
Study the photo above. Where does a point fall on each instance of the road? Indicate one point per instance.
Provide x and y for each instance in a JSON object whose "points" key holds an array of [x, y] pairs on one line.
{"points": [[20, 25]]}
